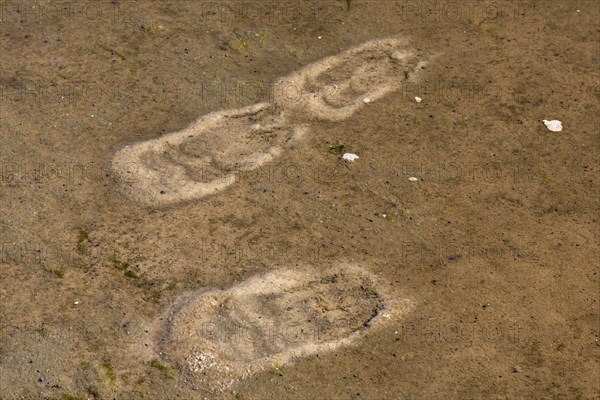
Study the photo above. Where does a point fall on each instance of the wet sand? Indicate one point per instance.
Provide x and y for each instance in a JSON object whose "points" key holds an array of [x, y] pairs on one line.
{"points": [[495, 243]]}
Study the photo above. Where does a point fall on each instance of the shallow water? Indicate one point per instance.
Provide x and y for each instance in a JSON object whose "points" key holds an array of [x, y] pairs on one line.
{"points": [[492, 241]]}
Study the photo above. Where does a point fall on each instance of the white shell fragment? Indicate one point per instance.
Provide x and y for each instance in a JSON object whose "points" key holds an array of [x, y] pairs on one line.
{"points": [[554, 125], [366, 100], [413, 179], [418, 99], [349, 157]]}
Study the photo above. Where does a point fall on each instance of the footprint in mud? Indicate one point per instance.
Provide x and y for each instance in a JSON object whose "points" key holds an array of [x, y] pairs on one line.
{"points": [[205, 158], [218, 337], [336, 87]]}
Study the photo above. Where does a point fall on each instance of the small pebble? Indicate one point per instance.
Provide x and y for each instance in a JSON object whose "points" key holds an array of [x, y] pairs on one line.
{"points": [[366, 100], [418, 99], [350, 157], [413, 179]]}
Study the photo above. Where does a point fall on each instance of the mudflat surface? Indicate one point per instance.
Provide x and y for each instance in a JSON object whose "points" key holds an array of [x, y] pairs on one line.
{"points": [[495, 243]]}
